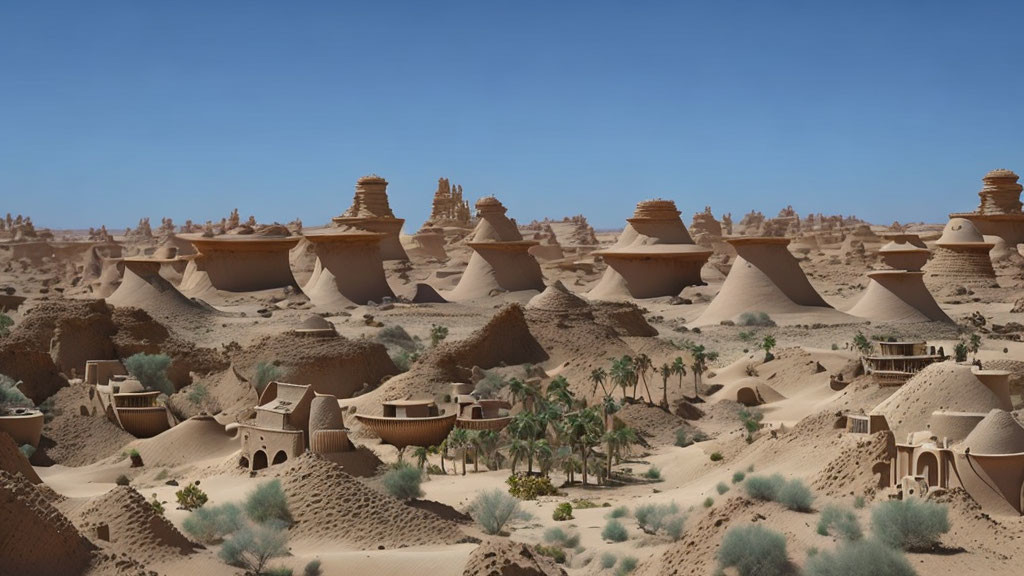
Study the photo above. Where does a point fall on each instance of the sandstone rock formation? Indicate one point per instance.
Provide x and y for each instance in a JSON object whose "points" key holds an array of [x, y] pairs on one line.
{"points": [[371, 212], [238, 263], [766, 278], [896, 292], [999, 216], [961, 256], [501, 261], [349, 269], [448, 207], [654, 256]]}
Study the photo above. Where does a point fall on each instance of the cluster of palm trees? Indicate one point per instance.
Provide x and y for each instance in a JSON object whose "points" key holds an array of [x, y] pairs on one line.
{"points": [[630, 371], [554, 430]]}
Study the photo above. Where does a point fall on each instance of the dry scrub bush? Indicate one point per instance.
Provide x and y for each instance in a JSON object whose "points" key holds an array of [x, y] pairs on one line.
{"points": [[860, 558], [839, 521], [754, 551], [268, 502], [151, 371], [614, 531], [909, 524], [492, 509], [253, 545], [403, 481], [211, 524]]}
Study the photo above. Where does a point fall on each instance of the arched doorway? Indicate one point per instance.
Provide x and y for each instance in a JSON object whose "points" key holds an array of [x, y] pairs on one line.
{"points": [[243, 462], [259, 460], [928, 466], [280, 457]]}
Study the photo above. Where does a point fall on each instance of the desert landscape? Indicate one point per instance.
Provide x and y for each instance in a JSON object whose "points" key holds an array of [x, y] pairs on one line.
{"points": [[573, 366], [485, 395]]}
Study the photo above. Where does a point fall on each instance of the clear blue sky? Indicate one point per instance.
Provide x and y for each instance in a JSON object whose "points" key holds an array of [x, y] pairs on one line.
{"points": [[110, 111]]}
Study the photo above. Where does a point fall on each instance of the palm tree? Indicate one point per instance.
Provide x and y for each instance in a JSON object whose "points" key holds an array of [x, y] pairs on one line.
{"points": [[474, 442], [443, 451], [584, 428], [558, 391], [665, 371], [517, 450], [568, 462], [528, 427], [488, 441], [622, 373], [421, 452], [609, 407], [598, 376], [458, 439], [641, 364], [701, 357], [545, 455], [620, 441], [517, 390], [679, 369]]}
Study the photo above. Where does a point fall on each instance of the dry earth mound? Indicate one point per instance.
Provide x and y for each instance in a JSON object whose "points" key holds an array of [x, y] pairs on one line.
{"points": [[14, 462], [941, 386], [35, 538], [74, 439], [331, 507], [198, 438], [506, 558], [332, 365], [850, 472], [135, 528]]}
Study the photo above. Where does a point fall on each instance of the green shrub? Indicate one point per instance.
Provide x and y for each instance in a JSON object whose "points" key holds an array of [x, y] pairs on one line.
{"points": [[614, 531], [716, 456], [583, 504], [122, 480], [312, 569], [722, 488], [909, 524], [764, 487], [490, 386], [157, 505], [626, 565], [738, 477], [268, 502], [253, 545], [437, 334], [839, 521], [795, 495], [403, 481], [279, 571], [5, 324], [11, 396], [620, 512], [27, 450], [562, 538], [492, 509], [562, 512], [553, 552], [527, 487], [651, 517], [608, 560], [754, 551], [858, 502], [191, 497], [709, 502], [396, 336], [653, 473], [859, 558], [151, 371], [210, 524], [266, 372]]}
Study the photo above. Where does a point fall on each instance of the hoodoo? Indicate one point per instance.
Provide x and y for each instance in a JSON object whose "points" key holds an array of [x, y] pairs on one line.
{"points": [[348, 269], [767, 278], [961, 256], [501, 260], [999, 211], [371, 212], [896, 292], [239, 262], [654, 256]]}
